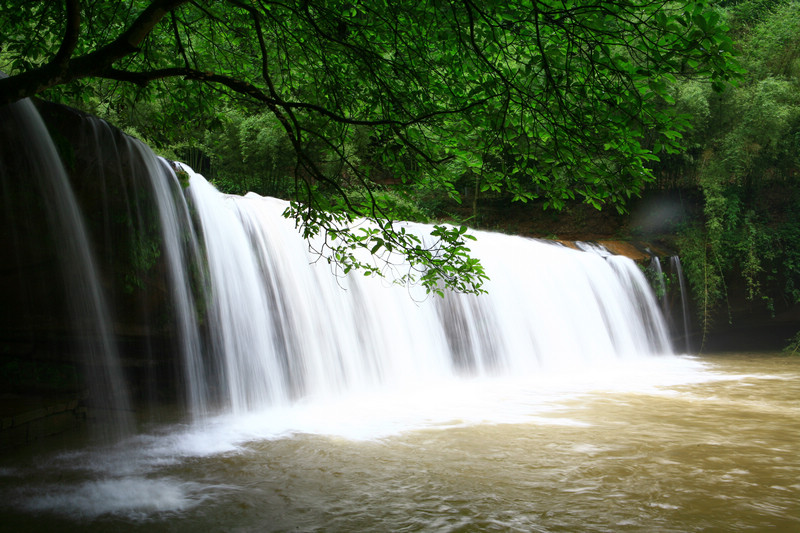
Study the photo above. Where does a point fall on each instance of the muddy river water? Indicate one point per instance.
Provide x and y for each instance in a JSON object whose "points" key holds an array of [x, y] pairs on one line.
{"points": [[684, 444]]}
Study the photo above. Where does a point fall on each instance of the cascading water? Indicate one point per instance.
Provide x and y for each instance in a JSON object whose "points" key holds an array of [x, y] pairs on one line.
{"points": [[285, 327], [157, 220], [259, 322], [675, 264], [25, 136]]}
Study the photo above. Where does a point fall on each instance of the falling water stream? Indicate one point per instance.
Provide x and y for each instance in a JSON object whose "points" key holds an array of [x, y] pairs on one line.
{"points": [[320, 402]]}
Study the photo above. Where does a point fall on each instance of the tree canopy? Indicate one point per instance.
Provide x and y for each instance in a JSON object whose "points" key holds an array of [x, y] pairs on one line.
{"points": [[543, 99]]}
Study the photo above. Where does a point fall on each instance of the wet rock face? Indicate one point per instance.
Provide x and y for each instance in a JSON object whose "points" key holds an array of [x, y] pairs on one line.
{"points": [[29, 267], [107, 180], [41, 330]]}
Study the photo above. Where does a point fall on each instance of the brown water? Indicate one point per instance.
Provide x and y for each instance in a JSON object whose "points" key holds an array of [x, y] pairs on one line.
{"points": [[715, 449]]}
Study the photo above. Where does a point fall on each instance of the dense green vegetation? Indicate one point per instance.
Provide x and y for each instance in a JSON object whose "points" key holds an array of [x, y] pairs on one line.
{"points": [[324, 101], [742, 156]]}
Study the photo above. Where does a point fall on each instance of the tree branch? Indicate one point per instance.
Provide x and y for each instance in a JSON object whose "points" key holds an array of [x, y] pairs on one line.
{"points": [[34, 81], [248, 89], [71, 34]]}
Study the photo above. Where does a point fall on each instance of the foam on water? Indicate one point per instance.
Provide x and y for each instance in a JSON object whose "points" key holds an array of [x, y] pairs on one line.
{"points": [[131, 497], [369, 415]]}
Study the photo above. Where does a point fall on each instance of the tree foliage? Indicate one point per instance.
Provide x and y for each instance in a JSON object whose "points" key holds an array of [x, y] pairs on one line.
{"points": [[547, 99]]}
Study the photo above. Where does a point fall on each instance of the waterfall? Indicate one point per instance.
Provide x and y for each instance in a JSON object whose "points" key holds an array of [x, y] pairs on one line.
{"points": [[286, 327], [675, 265], [48, 195], [257, 320]]}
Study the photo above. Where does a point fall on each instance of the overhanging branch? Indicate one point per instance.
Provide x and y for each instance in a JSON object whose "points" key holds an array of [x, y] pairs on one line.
{"points": [[63, 70], [248, 89]]}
